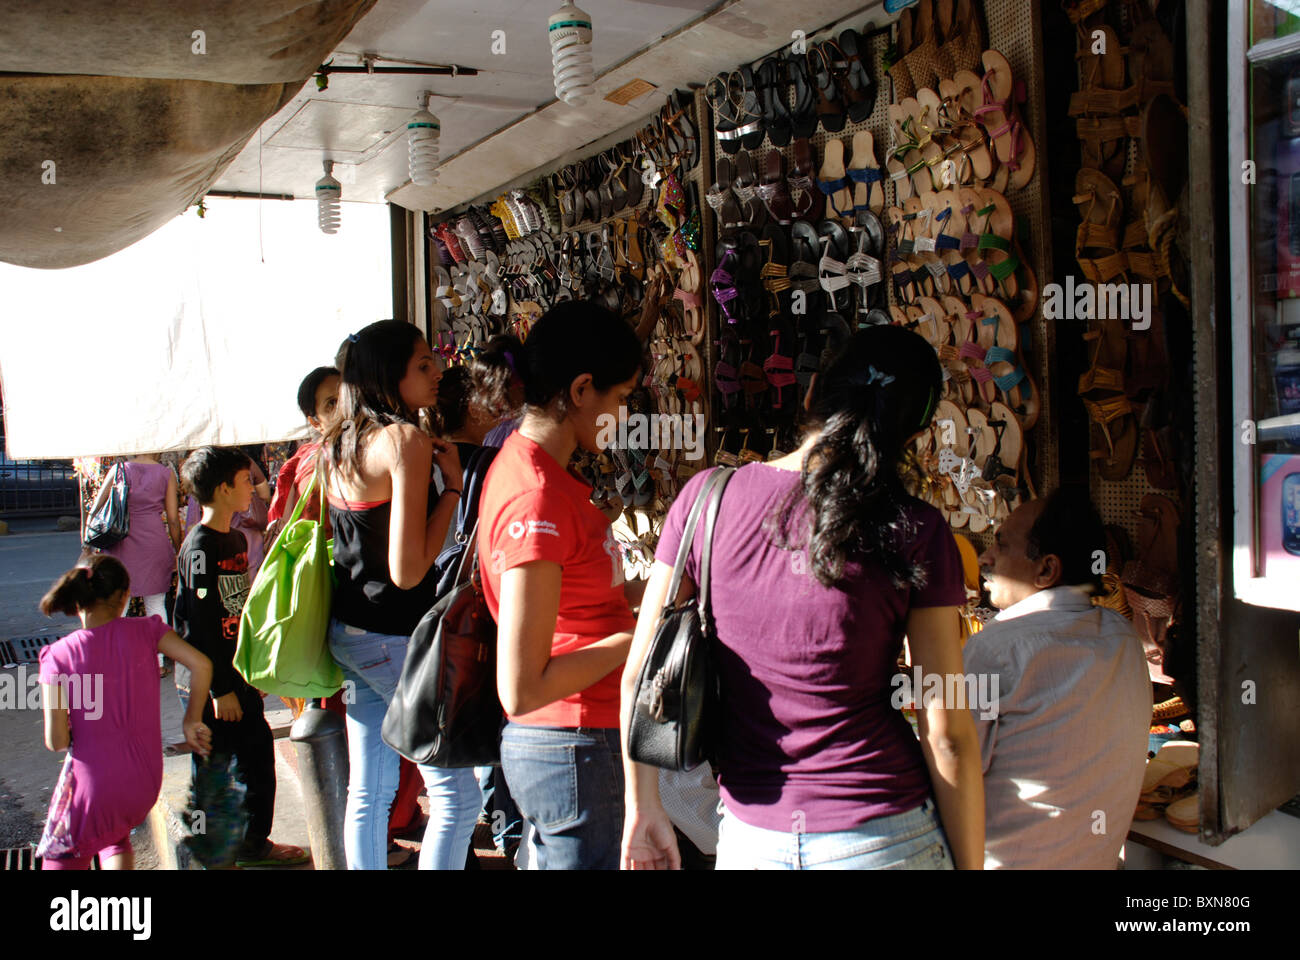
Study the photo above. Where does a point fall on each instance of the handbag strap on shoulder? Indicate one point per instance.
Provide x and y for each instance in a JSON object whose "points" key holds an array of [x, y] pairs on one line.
{"points": [[717, 479], [716, 489]]}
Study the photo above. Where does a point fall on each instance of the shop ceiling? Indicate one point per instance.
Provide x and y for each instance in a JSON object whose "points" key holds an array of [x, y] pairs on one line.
{"points": [[504, 123]]}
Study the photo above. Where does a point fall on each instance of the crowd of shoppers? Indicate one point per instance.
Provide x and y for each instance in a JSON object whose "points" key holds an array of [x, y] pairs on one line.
{"points": [[815, 765]]}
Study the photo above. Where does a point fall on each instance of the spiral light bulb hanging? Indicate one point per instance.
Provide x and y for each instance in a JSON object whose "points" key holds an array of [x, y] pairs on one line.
{"points": [[422, 132], [570, 33], [328, 192]]}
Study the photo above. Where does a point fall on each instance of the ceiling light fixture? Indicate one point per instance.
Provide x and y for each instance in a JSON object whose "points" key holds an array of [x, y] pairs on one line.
{"points": [[328, 193], [570, 33], [422, 133]]}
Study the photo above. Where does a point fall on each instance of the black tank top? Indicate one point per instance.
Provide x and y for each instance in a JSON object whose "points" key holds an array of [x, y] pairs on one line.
{"points": [[365, 595]]}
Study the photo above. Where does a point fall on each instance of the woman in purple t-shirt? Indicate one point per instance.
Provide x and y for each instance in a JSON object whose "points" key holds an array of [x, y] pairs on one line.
{"points": [[821, 565]]}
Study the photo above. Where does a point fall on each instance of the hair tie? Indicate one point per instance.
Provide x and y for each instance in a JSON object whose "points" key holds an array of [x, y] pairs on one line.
{"points": [[872, 376], [353, 338]]}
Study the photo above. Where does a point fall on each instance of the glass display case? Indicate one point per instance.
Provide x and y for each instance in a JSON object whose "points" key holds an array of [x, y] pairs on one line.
{"points": [[1264, 125]]}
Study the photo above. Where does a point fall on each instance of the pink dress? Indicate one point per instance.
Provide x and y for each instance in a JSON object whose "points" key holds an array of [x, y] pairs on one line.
{"points": [[147, 551], [113, 770]]}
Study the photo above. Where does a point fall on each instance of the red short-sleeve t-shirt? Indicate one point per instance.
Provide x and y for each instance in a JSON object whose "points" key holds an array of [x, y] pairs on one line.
{"points": [[534, 509]]}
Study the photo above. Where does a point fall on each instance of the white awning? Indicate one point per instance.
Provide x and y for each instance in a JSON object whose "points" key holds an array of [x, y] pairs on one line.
{"points": [[187, 337]]}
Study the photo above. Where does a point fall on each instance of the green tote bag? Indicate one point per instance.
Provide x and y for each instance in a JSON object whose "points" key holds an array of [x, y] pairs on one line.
{"points": [[283, 631]]}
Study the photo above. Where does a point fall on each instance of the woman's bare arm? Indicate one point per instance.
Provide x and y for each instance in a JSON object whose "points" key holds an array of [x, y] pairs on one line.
{"points": [[415, 538], [528, 677], [172, 511], [948, 738]]}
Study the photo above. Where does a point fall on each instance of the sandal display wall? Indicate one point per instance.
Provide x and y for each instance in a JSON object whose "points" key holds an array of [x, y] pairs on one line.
{"points": [[1011, 29], [506, 282], [1126, 236]]}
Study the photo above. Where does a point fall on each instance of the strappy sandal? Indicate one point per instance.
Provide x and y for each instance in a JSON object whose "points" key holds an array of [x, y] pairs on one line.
{"points": [[772, 190], [811, 202], [833, 182], [779, 369], [772, 80], [726, 128], [1102, 391], [830, 108], [723, 285], [1000, 118], [803, 117], [864, 172], [1016, 284], [1097, 241], [858, 74]]}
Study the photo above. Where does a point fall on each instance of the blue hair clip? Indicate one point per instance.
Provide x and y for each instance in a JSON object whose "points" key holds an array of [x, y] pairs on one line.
{"points": [[873, 376], [353, 338]]}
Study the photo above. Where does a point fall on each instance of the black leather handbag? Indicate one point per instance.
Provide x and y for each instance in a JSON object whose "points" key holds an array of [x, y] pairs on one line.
{"points": [[111, 523], [675, 710], [446, 711]]}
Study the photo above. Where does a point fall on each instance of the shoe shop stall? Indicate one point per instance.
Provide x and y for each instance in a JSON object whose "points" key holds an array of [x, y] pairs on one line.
{"points": [[1038, 191]]}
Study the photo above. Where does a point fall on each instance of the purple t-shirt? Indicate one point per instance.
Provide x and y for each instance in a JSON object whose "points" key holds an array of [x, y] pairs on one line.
{"points": [[810, 740]]}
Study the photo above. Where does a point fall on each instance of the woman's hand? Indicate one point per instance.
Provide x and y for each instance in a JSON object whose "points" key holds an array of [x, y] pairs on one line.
{"points": [[447, 459], [648, 841], [198, 736]]}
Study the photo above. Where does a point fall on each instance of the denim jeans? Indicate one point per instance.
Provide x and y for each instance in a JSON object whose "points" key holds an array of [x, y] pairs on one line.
{"points": [[568, 783], [905, 841], [372, 663], [500, 809]]}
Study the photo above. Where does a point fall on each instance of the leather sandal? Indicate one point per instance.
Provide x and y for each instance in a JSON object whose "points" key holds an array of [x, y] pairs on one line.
{"points": [[803, 117], [1102, 390], [773, 80], [830, 108], [811, 202], [833, 182]]}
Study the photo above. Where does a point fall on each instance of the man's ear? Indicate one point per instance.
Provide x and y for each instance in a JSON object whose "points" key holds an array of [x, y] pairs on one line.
{"points": [[1050, 571]]}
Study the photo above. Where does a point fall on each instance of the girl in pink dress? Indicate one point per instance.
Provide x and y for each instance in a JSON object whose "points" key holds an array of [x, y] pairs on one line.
{"points": [[101, 705]]}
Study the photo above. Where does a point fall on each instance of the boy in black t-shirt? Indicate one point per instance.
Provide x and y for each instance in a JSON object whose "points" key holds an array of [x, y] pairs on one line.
{"points": [[213, 583]]}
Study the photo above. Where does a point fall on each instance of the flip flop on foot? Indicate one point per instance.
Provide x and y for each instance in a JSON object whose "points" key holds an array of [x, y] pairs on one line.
{"points": [[276, 855]]}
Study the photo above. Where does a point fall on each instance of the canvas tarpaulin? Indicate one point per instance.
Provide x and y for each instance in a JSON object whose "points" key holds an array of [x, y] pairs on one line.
{"points": [[187, 338]]}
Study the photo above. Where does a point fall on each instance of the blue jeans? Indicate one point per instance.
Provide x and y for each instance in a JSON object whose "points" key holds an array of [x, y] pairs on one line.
{"points": [[372, 664], [568, 783], [500, 809], [905, 841]]}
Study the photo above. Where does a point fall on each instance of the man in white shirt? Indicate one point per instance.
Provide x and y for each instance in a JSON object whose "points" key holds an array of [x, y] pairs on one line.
{"points": [[1065, 755]]}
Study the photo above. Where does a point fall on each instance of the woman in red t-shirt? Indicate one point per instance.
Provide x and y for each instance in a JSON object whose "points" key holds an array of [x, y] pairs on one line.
{"points": [[553, 579]]}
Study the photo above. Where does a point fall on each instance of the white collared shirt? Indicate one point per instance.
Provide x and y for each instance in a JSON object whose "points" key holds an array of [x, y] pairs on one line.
{"points": [[1065, 755]]}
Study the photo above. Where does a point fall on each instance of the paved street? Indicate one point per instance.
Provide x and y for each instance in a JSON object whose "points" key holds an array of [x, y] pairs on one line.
{"points": [[31, 557]]}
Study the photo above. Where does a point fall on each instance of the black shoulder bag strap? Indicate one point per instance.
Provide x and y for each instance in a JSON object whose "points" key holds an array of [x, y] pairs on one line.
{"points": [[688, 537], [717, 485]]}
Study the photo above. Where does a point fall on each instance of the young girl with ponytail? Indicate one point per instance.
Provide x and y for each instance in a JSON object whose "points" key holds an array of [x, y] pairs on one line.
{"points": [[100, 685], [817, 768]]}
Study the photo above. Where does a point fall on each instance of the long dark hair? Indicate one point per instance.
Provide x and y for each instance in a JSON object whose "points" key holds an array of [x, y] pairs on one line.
{"points": [[494, 370], [95, 579], [868, 400], [372, 364], [570, 339]]}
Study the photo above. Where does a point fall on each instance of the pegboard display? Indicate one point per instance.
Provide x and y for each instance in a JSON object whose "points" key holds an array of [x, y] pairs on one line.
{"points": [[1119, 501], [1013, 28]]}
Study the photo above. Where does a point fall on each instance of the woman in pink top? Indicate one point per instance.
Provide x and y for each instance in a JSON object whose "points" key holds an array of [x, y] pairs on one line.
{"points": [[149, 550], [101, 705]]}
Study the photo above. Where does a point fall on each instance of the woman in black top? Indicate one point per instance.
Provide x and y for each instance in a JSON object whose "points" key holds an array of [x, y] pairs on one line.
{"points": [[389, 524]]}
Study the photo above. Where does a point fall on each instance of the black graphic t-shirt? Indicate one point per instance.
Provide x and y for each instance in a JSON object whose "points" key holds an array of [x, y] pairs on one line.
{"points": [[212, 570]]}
